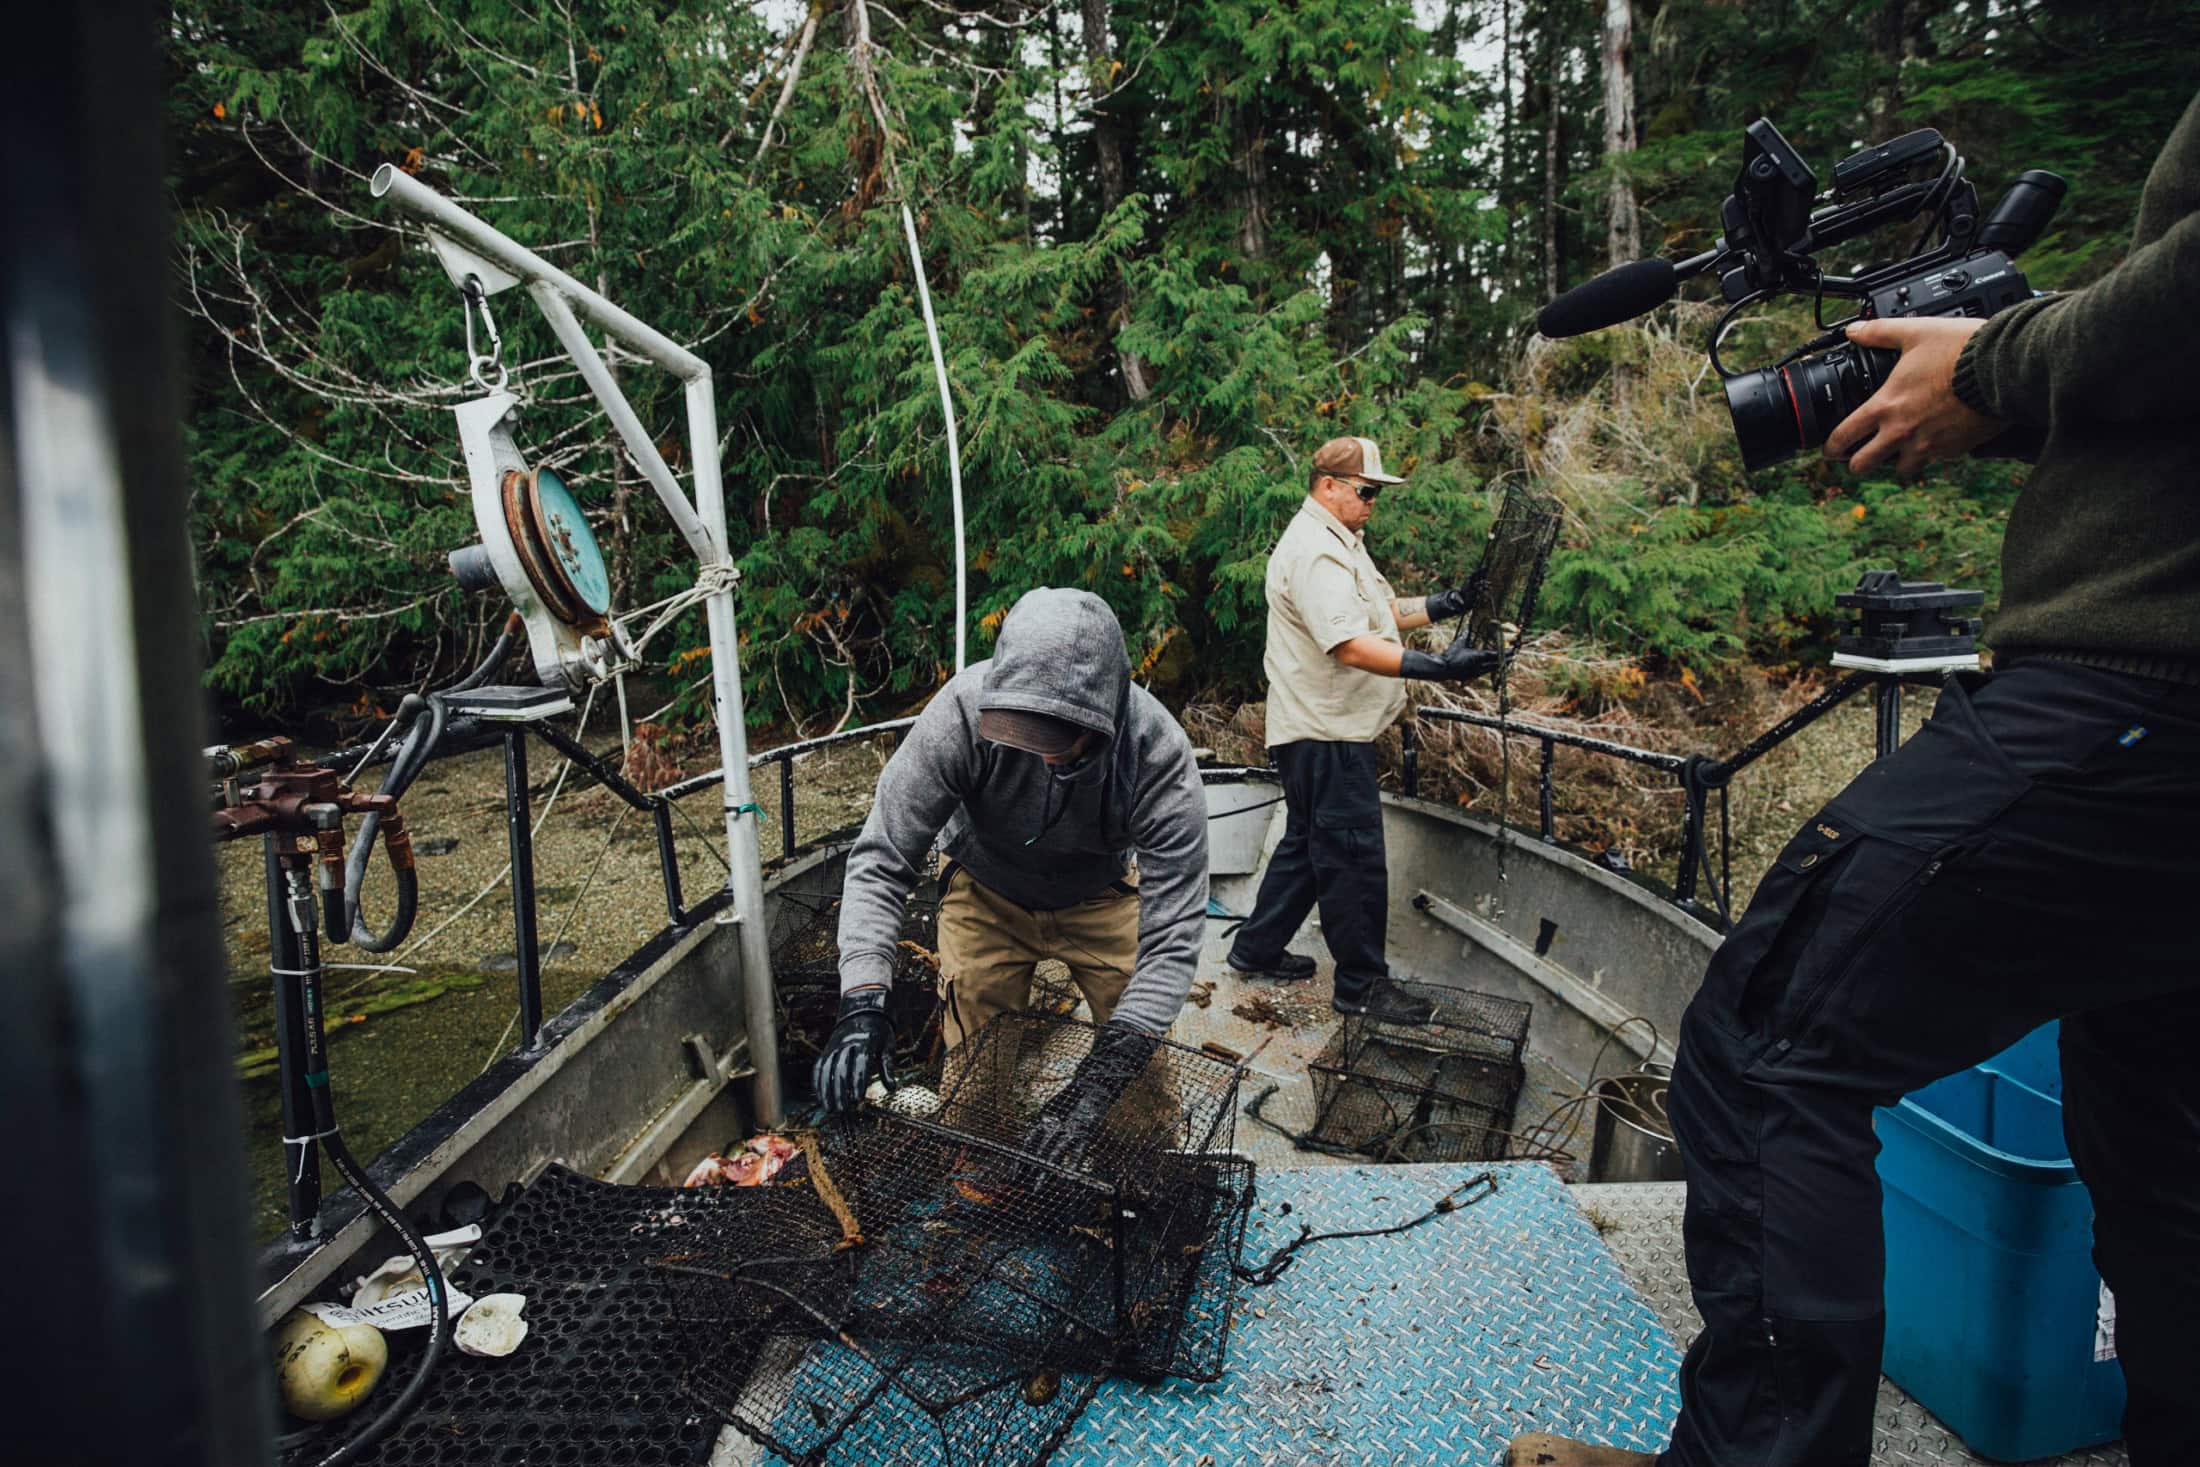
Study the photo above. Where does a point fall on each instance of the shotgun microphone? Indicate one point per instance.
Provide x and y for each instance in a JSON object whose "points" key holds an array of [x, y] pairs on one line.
{"points": [[1615, 296]]}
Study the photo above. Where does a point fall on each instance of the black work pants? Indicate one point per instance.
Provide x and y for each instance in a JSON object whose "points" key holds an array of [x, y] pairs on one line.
{"points": [[2032, 854], [1331, 853]]}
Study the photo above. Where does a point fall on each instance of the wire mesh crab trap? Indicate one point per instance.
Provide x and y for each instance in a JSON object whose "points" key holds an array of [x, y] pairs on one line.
{"points": [[1510, 576], [806, 976], [838, 1363], [843, 1402], [1440, 1091], [943, 1294]]}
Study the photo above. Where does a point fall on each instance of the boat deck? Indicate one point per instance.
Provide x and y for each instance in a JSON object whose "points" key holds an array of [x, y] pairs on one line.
{"points": [[1640, 1227], [1542, 1306]]}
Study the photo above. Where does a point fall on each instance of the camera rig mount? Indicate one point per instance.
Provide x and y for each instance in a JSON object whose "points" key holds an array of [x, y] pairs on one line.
{"points": [[1777, 221]]}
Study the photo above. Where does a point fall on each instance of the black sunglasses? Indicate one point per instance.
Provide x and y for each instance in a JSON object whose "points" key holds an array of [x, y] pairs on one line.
{"points": [[1367, 492]]}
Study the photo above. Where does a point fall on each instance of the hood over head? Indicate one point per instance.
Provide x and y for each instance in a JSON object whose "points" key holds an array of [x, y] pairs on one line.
{"points": [[1060, 653]]}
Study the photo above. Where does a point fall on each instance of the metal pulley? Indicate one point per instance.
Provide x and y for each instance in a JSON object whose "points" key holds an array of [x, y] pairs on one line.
{"points": [[560, 553], [537, 548]]}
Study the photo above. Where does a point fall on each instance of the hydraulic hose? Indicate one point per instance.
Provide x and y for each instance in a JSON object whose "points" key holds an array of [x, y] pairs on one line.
{"points": [[514, 625], [412, 756], [305, 923]]}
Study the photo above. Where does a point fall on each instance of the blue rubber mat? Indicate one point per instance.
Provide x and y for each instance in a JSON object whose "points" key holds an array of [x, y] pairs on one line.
{"points": [[1435, 1346]]}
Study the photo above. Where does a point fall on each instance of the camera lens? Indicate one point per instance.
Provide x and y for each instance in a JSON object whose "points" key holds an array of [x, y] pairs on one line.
{"points": [[1779, 411], [1764, 416]]}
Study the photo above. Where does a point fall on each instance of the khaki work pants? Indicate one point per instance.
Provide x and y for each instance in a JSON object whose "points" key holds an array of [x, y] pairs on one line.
{"points": [[989, 947]]}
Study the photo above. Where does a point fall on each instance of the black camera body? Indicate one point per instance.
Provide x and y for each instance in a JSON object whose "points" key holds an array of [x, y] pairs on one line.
{"points": [[1775, 223], [1772, 229], [1780, 410]]}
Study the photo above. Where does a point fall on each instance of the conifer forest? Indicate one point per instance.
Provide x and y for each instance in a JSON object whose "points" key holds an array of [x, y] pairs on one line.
{"points": [[1173, 245]]}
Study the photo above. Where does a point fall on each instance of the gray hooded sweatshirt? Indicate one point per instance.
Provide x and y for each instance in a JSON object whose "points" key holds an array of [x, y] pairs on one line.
{"points": [[1043, 837]]}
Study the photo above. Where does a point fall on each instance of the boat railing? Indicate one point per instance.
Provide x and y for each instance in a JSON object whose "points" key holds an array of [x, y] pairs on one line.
{"points": [[784, 756], [471, 735], [1699, 776]]}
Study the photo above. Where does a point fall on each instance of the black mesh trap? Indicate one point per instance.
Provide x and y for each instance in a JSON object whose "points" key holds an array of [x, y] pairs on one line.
{"points": [[1441, 1091], [870, 1356], [806, 975], [762, 1358], [934, 1292], [1511, 572]]}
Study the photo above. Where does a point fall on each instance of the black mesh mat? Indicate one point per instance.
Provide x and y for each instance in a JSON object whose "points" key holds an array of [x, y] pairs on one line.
{"points": [[596, 1379], [1443, 1091]]}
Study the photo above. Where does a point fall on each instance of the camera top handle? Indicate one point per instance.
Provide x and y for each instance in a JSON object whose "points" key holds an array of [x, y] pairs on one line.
{"points": [[1772, 231]]}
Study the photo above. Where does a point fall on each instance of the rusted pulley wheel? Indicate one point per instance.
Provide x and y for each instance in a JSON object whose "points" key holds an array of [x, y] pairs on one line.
{"points": [[556, 548]]}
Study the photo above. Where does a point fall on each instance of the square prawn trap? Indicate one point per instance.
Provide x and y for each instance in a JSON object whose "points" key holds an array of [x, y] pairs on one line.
{"points": [[941, 1294], [1440, 1091]]}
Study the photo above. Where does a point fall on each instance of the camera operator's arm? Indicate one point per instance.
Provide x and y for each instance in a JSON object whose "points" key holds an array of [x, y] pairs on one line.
{"points": [[1915, 416], [2120, 349]]}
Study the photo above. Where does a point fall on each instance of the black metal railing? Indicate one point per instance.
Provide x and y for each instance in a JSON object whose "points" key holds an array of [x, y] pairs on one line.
{"points": [[784, 756], [1699, 776], [468, 734]]}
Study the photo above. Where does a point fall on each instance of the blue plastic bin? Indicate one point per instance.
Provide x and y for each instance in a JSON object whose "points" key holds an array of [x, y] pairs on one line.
{"points": [[1991, 1291]]}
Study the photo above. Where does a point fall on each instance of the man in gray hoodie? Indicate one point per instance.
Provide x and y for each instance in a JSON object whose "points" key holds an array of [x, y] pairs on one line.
{"points": [[1069, 806]]}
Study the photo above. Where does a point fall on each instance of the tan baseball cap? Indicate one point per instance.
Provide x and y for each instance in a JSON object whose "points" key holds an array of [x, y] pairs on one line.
{"points": [[1358, 457]]}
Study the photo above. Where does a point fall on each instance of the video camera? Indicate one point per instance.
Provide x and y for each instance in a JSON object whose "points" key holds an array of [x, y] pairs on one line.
{"points": [[1959, 265]]}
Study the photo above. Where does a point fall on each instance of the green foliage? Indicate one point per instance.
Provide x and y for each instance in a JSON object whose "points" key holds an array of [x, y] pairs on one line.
{"points": [[1318, 219], [1675, 555]]}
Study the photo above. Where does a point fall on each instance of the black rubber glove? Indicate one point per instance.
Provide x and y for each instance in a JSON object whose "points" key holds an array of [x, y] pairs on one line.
{"points": [[861, 1039], [1454, 600], [1069, 1122], [1457, 663]]}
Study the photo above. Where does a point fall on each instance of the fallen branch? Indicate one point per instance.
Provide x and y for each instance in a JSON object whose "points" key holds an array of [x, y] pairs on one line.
{"points": [[851, 1234]]}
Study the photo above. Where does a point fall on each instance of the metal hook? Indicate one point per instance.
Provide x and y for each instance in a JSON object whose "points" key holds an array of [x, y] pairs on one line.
{"points": [[476, 298]]}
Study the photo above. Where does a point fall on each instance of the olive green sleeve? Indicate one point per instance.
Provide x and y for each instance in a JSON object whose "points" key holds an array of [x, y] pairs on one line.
{"points": [[2120, 349]]}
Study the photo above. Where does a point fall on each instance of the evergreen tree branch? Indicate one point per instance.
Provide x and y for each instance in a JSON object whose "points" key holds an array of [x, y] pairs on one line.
{"points": [[786, 93]]}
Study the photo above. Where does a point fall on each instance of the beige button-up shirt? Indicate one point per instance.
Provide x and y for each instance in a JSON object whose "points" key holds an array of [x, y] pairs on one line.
{"points": [[1323, 591]]}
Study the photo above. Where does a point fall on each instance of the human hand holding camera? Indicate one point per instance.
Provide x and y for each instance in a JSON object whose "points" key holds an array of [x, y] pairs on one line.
{"points": [[1915, 417]]}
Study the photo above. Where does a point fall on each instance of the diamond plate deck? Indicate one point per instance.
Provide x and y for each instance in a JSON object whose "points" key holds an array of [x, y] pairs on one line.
{"points": [[1641, 1224], [1433, 1346]]}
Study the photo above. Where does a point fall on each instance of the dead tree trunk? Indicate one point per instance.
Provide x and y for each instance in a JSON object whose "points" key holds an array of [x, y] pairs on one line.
{"points": [[1107, 142], [1891, 44], [1553, 68], [1623, 236], [1506, 175], [1252, 161]]}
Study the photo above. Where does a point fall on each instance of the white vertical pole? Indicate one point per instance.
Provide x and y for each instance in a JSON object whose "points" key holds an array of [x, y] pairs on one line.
{"points": [[954, 448], [747, 876]]}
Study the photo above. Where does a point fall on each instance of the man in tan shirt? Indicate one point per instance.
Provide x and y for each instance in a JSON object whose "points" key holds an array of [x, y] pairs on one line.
{"points": [[1336, 665]]}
